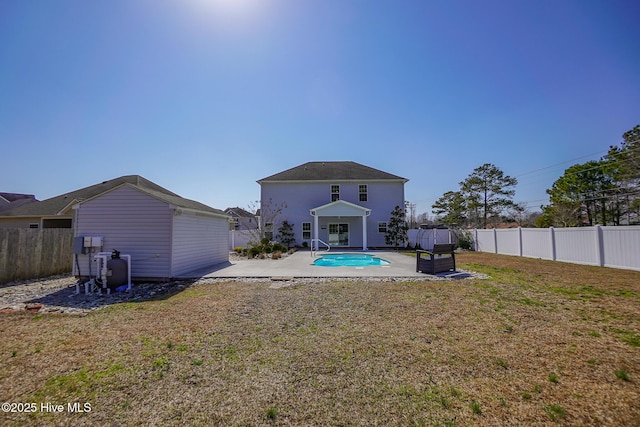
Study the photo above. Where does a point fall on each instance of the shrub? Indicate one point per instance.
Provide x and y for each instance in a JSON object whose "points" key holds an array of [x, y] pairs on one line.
{"points": [[276, 255], [238, 249], [254, 251], [465, 240], [279, 247]]}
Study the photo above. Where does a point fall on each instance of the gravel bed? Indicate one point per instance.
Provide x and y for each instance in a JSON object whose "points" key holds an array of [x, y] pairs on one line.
{"points": [[57, 294]]}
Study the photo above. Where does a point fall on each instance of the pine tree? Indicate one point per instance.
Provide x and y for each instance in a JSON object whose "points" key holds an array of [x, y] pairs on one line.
{"points": [[285, 234], [397, 228]]}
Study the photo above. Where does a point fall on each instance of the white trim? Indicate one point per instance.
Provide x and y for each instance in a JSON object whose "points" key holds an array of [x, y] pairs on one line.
{"points": [[341, 208]]}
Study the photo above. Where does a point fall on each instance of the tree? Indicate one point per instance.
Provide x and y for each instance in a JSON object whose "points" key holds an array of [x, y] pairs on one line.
{"points": [[452, 208], [582, 191], [266, 219], [397, 228], [624, 166], [285, 234], [488, 191]]}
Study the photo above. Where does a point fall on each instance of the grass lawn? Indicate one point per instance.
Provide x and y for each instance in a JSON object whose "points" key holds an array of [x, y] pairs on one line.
{"points": [[539, 343]]}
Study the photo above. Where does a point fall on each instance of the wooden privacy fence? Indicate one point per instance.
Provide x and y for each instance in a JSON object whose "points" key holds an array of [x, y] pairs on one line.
{"points": [[31, 253], [616, 247]]}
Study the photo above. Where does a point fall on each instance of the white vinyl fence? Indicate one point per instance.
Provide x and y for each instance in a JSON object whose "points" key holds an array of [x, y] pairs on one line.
{"points": [[240, 238], [428, 237], [617, 247]]}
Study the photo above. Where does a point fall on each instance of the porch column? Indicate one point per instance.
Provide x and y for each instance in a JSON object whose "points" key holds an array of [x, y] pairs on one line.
{"points": [[315, 230], [364, 232]]}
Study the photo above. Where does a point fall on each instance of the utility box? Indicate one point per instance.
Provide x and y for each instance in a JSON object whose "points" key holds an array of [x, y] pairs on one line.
{"points": [[81, 244]]}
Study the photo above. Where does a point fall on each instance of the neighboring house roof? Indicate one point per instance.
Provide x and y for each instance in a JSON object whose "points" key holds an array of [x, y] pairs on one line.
{"points": [[239, 212], [331, 171], [58, 205], [13, 200]]}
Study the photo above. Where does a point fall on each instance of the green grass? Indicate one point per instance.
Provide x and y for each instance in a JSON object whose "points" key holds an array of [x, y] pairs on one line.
{"points": [[622, 374], [555, 412], [628, 337], [475, 407]]}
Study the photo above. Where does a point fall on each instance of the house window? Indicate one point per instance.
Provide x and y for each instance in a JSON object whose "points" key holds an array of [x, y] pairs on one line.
{"points": [[362, 189], [268, 230], [34, 225], [382, 227], [335, 192], [306, 231]]}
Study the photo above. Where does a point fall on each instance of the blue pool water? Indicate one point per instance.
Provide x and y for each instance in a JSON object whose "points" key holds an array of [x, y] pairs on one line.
{"points": [[349, 260]]}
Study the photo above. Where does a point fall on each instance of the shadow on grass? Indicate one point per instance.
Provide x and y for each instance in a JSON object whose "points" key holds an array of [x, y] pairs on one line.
{"points": [[142, 292], [454, 275]]}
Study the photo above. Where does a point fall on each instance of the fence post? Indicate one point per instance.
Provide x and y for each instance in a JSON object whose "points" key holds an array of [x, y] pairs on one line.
{"points": [[495, 240], [552, 240], [599, 246], [520, 241], [475, 240]]}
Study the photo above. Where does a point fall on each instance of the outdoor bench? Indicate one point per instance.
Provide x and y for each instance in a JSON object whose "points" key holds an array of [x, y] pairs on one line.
{"points": [[440, 259]]}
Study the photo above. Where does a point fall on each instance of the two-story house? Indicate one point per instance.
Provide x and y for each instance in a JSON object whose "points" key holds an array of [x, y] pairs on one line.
{"points": [[344, 204]]}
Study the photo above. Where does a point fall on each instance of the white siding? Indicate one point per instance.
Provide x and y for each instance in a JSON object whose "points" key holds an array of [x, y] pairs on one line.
{"points": [[132, 222], [198, 241]]}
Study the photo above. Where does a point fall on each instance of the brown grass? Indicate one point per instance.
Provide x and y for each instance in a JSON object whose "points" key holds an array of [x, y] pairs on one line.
{"points": [[540, 343]]}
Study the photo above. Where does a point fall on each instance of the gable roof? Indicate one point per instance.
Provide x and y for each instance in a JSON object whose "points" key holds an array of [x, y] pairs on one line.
{"points": [[59, 204], [332, 171], [13, 200], [239, 212], [340, 208]]}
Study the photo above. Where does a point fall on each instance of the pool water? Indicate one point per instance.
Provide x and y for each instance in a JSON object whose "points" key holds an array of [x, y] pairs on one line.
{"points": [[349, 260]]}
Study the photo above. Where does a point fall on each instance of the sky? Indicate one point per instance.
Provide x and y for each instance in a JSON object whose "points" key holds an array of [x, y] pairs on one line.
{"points": [[205, 97]]}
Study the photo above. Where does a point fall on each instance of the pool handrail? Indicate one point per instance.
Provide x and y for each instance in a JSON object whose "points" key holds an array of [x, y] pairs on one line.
{"points": [[316, 250]]}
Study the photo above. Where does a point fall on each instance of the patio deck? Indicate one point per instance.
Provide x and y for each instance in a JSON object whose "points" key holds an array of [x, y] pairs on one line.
{"points": [[300, 265]]}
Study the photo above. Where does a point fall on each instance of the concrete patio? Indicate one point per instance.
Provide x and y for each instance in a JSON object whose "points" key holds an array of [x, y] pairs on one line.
{"points": [[300, 265]]}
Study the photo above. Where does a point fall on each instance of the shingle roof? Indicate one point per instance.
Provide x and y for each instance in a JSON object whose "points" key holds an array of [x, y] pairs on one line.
{"points": [[331, 171], [13, 200], [55, 205], [239, 212]]}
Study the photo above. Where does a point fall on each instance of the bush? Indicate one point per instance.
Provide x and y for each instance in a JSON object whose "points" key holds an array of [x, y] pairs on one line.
{"points": [[465, 240], [279, 247], [276, 255], [265, 248], [238, 249], [254, 251]]}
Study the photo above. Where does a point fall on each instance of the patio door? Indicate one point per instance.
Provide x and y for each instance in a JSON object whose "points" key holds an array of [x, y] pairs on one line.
{"points": [[339, 234]]}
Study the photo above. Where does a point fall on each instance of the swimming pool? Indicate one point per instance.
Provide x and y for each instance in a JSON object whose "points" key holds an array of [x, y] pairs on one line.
{"points": [[349, 260]]}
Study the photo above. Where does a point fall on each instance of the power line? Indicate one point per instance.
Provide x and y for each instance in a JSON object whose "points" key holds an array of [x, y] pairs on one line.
{"points": [[561, 163], [619, 153]]}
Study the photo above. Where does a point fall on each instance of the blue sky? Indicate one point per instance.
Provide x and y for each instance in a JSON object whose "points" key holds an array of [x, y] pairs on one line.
{"points": [[204, 97]]}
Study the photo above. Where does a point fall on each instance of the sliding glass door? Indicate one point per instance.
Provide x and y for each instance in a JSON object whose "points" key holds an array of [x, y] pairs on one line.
{"points": [[339, 234]]}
